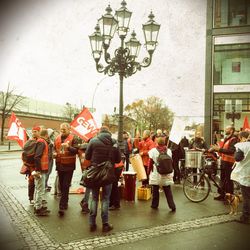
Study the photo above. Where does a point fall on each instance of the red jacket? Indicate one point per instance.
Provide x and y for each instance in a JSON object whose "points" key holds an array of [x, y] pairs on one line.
{"points": [[144, 146]]}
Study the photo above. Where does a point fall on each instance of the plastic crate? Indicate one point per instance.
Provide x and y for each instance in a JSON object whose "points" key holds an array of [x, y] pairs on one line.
{"points": [[143, 193]]}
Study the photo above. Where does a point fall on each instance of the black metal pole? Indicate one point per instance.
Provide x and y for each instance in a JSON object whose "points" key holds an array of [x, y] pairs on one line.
{"points": [[121, 76], [120, 119]]}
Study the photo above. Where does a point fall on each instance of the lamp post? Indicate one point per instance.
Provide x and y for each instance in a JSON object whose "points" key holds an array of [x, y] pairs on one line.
{"points": [[233, 111], [124, 60], [93, 97]]}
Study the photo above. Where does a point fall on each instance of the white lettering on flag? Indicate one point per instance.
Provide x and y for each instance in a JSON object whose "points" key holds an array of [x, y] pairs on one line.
{"points": [[84, 125]]}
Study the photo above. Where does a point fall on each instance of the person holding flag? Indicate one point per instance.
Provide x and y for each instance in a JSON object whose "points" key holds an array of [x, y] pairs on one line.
{"points": [[65, 154]]}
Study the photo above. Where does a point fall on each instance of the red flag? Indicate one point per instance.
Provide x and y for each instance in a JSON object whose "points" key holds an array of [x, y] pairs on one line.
{"points": [[16, 131], [84, 125], [245, 124]]}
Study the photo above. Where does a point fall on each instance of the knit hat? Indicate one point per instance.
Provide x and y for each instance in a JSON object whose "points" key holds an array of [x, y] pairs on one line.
{"points": [[37, 128]]}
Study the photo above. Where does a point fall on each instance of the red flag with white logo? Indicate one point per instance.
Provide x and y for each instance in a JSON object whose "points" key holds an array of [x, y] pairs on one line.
{"points": [[16, 131], [84, 125]]}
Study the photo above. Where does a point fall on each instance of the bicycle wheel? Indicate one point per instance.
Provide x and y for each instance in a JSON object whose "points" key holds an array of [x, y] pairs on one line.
{"points": [[196, 187]]}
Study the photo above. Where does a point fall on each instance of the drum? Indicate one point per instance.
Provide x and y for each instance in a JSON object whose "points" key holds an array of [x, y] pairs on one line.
{"points": [[193, 159], [137, 164], [130, 185]]}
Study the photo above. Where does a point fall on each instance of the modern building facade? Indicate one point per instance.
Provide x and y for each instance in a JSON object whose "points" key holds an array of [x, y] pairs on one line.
{"points": [[227, 91]]}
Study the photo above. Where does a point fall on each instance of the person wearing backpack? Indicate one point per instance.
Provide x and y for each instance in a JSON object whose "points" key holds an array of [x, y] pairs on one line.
{"points": [[41, 166], [161, 173], [28, 160]]}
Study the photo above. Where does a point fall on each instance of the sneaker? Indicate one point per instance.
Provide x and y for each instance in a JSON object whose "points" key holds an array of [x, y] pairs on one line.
{"points": [[32, 202], [41, 212], [42, 209], [107, 227], [114, 208], [60, 213], [154, 207], [219, 198]]}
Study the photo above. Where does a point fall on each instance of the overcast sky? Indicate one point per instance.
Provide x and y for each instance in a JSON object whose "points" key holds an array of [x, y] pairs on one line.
{"points": [[45, 54]]}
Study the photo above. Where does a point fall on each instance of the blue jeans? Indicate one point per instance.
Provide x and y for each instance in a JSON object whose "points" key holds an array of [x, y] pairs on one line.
{"points": [[106, 191], [86, 195], [39, 191]]}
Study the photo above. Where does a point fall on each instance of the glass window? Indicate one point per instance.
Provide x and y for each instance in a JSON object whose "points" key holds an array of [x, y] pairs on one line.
{"points": [[230, 108], [231, 64], [229, 13]]}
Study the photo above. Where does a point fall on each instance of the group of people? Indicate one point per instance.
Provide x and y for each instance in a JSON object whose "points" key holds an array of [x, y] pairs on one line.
{"points": [[65, 150]]}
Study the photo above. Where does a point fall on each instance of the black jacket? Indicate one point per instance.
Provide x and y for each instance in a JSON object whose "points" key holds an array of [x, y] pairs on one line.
{"points": [[102, 148]]}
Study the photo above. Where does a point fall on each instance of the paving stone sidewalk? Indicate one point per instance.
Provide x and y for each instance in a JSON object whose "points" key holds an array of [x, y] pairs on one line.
{"points": [[33, 235]]}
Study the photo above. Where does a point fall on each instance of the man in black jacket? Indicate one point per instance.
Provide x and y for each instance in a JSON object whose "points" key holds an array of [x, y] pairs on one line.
{"points": [[100, 149]]}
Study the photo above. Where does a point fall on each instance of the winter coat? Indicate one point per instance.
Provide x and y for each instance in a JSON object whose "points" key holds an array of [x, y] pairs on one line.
{"points": [[155, 178], [145, 146], [102, 148]]}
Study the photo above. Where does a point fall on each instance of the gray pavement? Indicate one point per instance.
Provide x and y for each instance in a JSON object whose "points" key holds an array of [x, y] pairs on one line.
{"points": [[205, 225]]}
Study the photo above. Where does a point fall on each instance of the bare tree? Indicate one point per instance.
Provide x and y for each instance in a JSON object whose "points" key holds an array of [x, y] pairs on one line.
{"points": [[150, 113], [70, 111], [8, 102]]}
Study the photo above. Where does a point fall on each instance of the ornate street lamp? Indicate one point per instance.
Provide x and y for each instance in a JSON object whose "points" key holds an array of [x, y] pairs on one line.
{"points": [[124, 60], [233, 111]]}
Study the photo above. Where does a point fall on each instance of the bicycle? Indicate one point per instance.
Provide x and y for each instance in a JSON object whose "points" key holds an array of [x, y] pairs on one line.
{"points": [[197, 186]]}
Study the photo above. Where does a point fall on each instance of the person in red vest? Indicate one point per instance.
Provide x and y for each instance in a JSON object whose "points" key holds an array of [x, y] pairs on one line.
{"points": [[65, 147], [144, 146], [226, 150], [41, 159]]}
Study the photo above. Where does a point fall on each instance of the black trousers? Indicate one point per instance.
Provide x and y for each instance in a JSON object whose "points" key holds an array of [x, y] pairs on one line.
{"points": [[127, 161], [227, 185], [31, 187], [115, 193], [145, 182], [65, 178], [168, 194]]}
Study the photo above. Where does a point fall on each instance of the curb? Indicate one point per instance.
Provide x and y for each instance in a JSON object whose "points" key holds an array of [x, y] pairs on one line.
{"points": [[12, 150]]}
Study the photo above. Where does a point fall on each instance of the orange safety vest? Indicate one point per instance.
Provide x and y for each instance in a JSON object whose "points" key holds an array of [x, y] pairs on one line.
{"points": [[64, 156], [45, 155], [227, 157]]}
